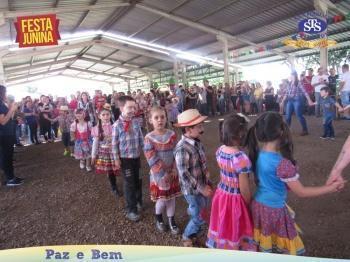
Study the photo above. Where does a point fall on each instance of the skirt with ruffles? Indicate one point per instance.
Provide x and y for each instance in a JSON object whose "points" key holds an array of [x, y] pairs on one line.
{"points": [[275, 230], [231, 225]]}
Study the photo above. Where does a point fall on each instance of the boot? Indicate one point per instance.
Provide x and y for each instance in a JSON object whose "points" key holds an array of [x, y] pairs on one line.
{"points": [[173, 227], [160, 223]]}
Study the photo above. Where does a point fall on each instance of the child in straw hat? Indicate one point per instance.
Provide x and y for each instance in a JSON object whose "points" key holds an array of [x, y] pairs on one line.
{"points": [[193, 172]]}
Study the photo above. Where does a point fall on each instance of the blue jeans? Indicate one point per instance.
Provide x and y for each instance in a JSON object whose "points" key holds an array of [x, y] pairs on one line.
{"points": [[328, 130], [318, 106], [295, 104], [195, 204], [345, 98]]}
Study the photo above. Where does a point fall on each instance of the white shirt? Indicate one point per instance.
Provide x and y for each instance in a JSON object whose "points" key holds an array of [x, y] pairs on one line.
{"points": [[316, 79], [345, 78]]}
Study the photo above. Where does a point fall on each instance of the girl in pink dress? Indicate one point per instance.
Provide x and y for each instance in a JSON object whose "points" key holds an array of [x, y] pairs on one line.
{"points": [[101, 155], [231, 225]]}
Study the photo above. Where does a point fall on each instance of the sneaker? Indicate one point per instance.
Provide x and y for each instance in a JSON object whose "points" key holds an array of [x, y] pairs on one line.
{"points": [[19, 144], [323, 137], [82, 164], [88, 168], [66, 153], [133, 216], [332, 138], [161, 226], [174, 229], [72, 154], [14, 182], [139, 207]]}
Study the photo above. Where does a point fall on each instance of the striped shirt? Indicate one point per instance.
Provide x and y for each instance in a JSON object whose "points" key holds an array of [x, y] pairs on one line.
{"points": [[191, 164], [126, 144]]}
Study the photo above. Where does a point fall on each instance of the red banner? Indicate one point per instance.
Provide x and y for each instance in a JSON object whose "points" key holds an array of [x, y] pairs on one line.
{"points": [[40, 30]]}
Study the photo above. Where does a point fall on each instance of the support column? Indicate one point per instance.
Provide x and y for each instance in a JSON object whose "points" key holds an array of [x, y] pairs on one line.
{"points": [[129, 86], [2, 73], [150, 80], [322, 7], [184, 74], [176, 71], [225, 55], [291, 61]]}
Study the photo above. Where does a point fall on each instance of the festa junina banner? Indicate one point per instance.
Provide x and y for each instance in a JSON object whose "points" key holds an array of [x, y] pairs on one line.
{"points": [[143, 253], [41, 30]]}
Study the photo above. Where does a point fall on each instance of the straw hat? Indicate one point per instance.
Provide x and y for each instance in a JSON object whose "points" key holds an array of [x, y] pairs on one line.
{"points": [[64, 108], [190, 117]]}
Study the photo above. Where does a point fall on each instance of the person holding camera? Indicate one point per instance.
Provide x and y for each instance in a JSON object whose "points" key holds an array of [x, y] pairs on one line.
{"points": [[7, 138]]}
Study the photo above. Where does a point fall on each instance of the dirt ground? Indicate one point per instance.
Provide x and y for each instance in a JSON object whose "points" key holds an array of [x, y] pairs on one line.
{"points": [[61, 205]]}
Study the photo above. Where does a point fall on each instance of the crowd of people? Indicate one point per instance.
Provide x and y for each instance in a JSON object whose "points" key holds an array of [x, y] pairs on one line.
{"points": [[109, 134]]}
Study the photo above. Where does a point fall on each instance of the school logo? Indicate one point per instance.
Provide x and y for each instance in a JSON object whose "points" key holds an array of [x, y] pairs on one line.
{"points": [[312, 26]]}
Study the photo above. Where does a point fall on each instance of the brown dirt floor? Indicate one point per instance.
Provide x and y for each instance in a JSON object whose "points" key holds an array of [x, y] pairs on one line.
{"points": [[61, 205]]}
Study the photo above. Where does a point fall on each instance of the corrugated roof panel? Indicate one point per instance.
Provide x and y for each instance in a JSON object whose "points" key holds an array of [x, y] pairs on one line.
{"points": [[161, 27], [118, 70], [100, 51], [122, 56], [82, 63], [24, 5], [68, 20], [94, 19], [182, 36], [166, 5], [133, 21], [200, 40], [143, 61], [64, 3], [71, 52], [46, 57], [100, 67]]}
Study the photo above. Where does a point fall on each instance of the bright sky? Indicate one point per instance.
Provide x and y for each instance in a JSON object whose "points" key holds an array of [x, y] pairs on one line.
{"points": [[64, 86]]}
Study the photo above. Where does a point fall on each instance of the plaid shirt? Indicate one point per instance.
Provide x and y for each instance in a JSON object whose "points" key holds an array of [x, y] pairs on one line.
{"points": [[294, 91], [126, 144], [191, 165]]}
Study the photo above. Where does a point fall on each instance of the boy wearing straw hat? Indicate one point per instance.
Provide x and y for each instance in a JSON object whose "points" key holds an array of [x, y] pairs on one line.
{"points": [[193, 172]]}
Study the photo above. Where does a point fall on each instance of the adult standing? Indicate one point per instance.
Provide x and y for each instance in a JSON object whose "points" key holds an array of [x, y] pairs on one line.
{"points": [[7, 138], [295, 102], [87, 106], [344, 88], [332, 81], [209, 97], [269, 97], [306, 81], [318, 81]]}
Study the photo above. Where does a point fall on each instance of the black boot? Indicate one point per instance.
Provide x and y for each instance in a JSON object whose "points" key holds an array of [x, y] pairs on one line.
{"points": [[173, 227], [160, 223]]}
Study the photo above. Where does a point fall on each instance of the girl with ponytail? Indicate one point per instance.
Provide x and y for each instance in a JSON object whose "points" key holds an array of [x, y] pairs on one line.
{"points": [[271, 152]]}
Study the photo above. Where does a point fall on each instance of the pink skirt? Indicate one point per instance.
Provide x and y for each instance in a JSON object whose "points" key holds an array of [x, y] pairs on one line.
{"points": [[231, 224]]}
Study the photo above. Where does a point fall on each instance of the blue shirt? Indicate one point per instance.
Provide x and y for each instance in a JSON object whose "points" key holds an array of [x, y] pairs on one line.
{"points": [[272, 173], [9, 128], [328, 105]]}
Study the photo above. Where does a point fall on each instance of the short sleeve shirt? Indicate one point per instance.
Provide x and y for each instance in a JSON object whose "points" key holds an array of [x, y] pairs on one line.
{"points": [[7, 129]]}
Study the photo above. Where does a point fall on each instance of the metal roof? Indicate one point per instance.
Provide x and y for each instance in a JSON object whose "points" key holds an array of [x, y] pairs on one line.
{"points": [[101, 53]]}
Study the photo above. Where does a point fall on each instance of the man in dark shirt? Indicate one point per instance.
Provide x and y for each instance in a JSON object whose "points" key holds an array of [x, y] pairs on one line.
{"points": [[332, 82]]}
